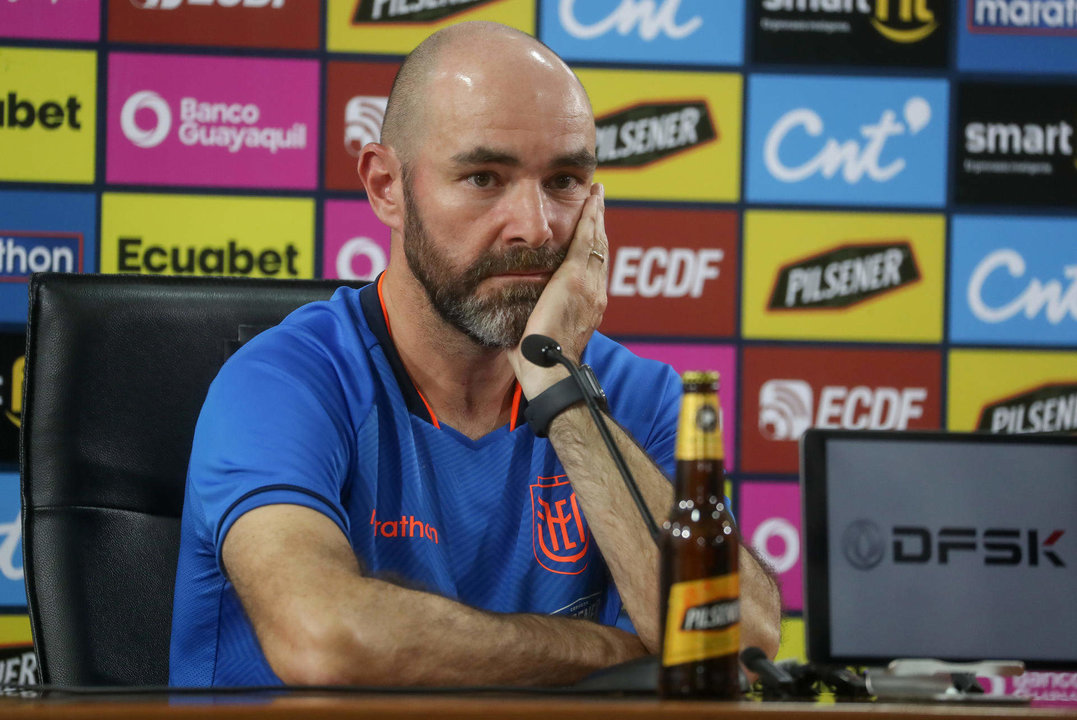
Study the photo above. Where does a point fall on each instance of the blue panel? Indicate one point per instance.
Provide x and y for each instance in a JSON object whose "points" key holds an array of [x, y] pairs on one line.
{"points": [[847, 141], [12, 589], [685, 32], [1018, 36], [42, 231], [1013, 281]]}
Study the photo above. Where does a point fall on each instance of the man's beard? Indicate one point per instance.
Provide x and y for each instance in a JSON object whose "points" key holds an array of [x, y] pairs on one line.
{"points": [[496, 319]]}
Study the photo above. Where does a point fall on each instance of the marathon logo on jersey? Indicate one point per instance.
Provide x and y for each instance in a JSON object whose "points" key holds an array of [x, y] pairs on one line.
{"points": [[847, 140], [560, 537], [212, 121], [657, 32], [845, 276], [1048, 409], [1017, 145], [1028, 17], [649, 132], [788, 390], [23, 253], [411, 11], [891, 32], [672, 272]]}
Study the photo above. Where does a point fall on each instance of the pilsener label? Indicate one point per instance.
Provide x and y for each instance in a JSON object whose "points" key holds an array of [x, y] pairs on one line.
{"points": [[703, 620]]}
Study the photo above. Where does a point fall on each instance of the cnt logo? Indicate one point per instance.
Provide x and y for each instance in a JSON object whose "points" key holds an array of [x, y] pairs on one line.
{"points": [[363, 116], [844, 276], [786, 408], [207, 124], [10, 559], [1029, 17], [646, 17], [1051, 408], [901, 21], [411, 11], [648, 132], [173, 4], [855, 159], [1056, 300]]}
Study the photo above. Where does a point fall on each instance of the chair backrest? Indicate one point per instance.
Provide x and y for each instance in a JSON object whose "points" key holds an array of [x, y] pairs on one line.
{"points": [[117, 367]]}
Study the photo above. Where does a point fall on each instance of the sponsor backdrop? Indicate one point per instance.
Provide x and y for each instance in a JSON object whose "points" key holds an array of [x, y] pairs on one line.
{"points": [[864, 214]]}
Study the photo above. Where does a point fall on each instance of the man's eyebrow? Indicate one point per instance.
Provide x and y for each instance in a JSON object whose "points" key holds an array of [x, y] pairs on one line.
{"points": [[582, 158], [485, 156]]}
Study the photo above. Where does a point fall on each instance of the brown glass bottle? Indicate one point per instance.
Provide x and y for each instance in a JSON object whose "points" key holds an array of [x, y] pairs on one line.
{"points": [[699, 559]]}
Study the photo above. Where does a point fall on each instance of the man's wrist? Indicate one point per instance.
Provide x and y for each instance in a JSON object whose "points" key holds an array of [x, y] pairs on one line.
{"points": [[562, 395]]}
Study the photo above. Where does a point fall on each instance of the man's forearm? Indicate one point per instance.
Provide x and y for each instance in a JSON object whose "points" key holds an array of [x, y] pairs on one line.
{"points": [[612, 514], [388, 635]]}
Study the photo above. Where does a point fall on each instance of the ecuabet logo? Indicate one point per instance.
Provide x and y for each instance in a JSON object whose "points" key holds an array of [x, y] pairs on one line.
{"points": [[560, 536], [847, 140], [698, 32], [183, 121]]}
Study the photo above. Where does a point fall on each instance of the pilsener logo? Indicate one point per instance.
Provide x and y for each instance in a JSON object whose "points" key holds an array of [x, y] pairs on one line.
{"points": [[1031, 17], [648, 132], [23, 253], [1047, 409], [411, 11], [786, 408], [901, 21], [844, 276]]}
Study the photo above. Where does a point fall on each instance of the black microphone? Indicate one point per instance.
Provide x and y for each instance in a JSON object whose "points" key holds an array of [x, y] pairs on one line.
{"points": [[773, 678], [545, 352]]}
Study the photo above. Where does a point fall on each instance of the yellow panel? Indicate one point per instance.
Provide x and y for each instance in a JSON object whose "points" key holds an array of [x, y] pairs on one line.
{"points": [[200, 235], [793, 641], [15, 630], [909, 312], [48, 121], [979, 378], [706, 172], [400, 38]]}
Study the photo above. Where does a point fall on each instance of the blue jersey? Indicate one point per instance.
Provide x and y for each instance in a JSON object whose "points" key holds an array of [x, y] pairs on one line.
{"points": [[319, 411]]}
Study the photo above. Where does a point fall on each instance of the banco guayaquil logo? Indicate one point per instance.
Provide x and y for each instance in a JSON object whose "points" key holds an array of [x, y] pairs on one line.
{"points": [[847, 140], [147, 121], [648, 132]]}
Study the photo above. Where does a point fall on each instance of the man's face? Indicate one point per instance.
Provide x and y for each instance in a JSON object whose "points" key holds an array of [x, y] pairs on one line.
{"points": [[493, 196]]}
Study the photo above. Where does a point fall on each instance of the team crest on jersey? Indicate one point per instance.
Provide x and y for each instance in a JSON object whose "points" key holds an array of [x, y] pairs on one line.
{"points": [[559, 533]]}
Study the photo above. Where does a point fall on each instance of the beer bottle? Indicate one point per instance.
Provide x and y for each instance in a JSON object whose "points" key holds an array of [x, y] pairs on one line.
{"points": [[699, 559]]}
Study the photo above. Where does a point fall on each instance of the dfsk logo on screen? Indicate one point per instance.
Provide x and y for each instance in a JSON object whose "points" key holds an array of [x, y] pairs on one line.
{"points": [[786, 408], [560, 536], [864, 545]]}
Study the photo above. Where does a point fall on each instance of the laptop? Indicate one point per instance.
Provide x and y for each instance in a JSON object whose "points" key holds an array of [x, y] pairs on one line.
{"points": [[952, 546]]}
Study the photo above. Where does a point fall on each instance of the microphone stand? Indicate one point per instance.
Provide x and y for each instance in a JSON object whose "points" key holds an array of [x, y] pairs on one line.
{"points": [[545, 352]]}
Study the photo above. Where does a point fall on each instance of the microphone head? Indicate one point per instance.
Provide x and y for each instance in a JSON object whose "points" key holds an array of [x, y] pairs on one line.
{"points": [[540, 350], [751, 655]]}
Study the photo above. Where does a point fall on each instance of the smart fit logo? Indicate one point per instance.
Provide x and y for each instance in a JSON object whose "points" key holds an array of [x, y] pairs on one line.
{"points": [[900, 21]]}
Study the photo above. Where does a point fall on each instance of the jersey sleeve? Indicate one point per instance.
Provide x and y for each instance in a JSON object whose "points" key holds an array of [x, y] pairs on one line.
{"points": [[275, 429]]}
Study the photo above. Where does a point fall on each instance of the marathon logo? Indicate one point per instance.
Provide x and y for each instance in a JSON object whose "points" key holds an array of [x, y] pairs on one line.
{"points": [[1032, 17], [716, 615], [411, 11], [137, 257], [22, 253], [900, 21], [1048, 409], [844, 276], [647, 133]]}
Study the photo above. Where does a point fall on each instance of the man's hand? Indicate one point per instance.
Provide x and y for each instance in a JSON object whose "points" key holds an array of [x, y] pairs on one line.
{"points": [[572, 304]]}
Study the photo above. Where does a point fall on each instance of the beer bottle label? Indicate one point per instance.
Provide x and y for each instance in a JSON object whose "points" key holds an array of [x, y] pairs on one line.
{"points": [[703, 620], [699, 431]]}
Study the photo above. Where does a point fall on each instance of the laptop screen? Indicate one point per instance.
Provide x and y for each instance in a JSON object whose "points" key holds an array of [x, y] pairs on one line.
{"points": [[954, 546]]}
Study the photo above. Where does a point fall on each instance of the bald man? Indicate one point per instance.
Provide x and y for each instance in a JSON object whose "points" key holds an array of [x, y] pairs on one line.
{"points": [[382, 490]]}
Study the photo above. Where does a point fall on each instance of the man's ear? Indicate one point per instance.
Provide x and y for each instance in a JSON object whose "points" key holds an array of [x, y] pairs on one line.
{"points": [[381, 173]]}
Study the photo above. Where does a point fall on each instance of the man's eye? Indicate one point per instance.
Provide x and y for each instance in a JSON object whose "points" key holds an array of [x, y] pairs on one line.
{"points": [[481, 180], [564, 182]]}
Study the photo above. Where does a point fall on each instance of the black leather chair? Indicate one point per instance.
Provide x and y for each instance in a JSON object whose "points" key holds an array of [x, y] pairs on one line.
{"points": [[117, 367]]}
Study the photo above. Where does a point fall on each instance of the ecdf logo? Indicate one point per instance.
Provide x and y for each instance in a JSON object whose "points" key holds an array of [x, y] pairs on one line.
{"points": [[664, 272], [847, 140], [786, 408], [363, 117]]}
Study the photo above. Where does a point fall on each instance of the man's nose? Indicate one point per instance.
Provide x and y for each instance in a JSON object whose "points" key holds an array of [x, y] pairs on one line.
{"points": [[527, 216]]}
